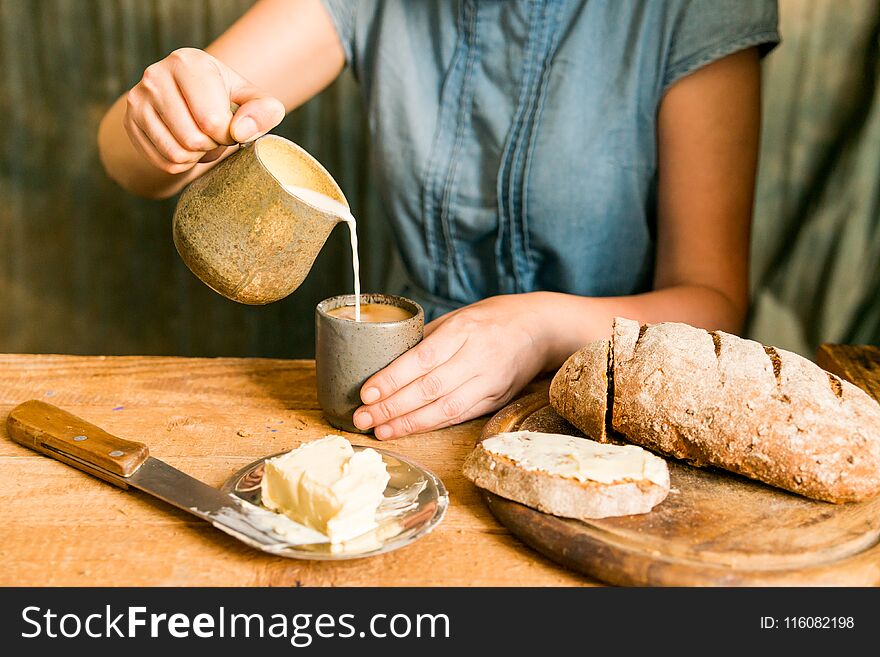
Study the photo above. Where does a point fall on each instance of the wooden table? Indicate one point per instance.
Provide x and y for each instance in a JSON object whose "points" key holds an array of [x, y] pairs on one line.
{"points": [[209, 417]]}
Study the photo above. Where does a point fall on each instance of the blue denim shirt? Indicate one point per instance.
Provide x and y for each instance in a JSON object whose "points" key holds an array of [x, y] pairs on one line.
{"points": [[514, 141]]}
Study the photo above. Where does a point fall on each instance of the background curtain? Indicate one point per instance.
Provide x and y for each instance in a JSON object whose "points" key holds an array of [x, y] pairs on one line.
{"points": [[816, 242]]}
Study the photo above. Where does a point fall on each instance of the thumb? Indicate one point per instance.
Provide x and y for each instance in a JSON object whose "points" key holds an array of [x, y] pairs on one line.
{"points": [[257, 113]]}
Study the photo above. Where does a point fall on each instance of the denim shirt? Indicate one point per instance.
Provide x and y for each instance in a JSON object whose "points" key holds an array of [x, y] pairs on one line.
{"points": [[514, 141]]}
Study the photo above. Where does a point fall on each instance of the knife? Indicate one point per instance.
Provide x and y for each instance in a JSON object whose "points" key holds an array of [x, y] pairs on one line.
{"points": [[63, 436]]}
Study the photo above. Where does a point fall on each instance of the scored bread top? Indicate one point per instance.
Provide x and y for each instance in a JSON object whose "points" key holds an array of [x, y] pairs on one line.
{"points": [[714, 398], [578, 458]]}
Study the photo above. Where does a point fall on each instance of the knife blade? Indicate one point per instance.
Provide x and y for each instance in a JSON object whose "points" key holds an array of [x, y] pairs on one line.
{"points": [[55, 432]]}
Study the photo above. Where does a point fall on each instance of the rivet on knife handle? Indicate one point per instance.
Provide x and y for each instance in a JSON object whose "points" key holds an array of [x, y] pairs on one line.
{"points": [[51, 430]]}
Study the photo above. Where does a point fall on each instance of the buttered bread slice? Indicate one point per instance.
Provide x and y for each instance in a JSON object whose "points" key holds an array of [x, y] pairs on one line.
{"points": [[568, 476]]}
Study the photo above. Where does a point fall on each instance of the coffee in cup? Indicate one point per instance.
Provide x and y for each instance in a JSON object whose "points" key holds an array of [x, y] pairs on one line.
{"points": [[348, 352], [372, 312]]}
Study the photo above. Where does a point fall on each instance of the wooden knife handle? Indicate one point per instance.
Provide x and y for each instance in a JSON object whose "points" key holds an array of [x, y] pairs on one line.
{"points": [[68, 438]]}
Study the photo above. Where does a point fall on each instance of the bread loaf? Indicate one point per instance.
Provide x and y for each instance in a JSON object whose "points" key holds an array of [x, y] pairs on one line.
{"points": [[712, 398], [568, 476]]}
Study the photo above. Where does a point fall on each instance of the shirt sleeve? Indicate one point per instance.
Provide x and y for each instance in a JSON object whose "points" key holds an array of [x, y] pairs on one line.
{"points": [[343, 14], [704, 31]]}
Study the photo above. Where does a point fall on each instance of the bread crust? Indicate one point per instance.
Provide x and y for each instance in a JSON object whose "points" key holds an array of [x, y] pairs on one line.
{"points": [[561, 496], [769, 414], [579, 391]]}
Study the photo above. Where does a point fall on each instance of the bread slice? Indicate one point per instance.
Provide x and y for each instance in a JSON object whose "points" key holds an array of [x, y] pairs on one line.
{"points": [[580, 390], [569, 476]]}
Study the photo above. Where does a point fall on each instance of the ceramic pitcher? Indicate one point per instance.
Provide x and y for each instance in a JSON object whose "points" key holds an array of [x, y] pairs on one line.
{"points": [[243, 234]]}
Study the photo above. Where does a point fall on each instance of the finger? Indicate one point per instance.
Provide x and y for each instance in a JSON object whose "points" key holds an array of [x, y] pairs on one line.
{"points": [[172, 108], [465, 403], [145, 147], [440, 381], [212, 155], [160, 136], [207, 97], [257, 113], [418, 361]]}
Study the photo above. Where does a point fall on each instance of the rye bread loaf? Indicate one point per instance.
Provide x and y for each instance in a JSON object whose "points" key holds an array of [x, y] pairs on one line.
{"points": [[712, 398], [555, 490]]}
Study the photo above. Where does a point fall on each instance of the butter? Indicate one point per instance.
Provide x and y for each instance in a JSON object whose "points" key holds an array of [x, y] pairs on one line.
{"points": [[327, 486], [578, 458]]}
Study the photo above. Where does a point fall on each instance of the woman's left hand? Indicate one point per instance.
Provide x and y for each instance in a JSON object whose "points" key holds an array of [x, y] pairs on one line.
{"points": [[471, 362]]}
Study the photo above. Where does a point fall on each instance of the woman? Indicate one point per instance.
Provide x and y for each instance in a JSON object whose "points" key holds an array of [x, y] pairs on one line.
{"points": [[546, 165]]}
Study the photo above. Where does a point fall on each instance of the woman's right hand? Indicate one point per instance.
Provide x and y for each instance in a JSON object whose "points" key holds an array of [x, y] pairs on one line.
{"points": [[181, 111]]}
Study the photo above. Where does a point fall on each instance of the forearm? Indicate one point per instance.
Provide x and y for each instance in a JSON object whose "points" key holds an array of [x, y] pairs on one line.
{"points": [[568, 322]]}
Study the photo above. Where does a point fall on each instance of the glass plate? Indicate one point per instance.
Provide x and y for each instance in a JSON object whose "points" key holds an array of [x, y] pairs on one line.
{"points": [[415, 502]]}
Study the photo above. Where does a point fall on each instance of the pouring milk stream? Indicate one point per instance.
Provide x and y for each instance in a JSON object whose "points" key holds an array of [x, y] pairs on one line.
{"points": [[334, 207]]}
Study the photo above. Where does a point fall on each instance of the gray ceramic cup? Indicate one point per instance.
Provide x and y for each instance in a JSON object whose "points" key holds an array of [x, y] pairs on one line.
{"points": [[347, 353]]}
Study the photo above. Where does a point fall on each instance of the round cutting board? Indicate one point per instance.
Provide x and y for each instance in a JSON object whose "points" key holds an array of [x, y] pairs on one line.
{"points": [[714, 528]]}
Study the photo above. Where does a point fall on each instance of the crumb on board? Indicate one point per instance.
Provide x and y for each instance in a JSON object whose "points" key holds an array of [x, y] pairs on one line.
{"points": [[242, 433]]}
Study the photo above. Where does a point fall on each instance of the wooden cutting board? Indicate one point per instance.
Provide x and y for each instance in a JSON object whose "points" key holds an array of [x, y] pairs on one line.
{"points": [[714, 528]]}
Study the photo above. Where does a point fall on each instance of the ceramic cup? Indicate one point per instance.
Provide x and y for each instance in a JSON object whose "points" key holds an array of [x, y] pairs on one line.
{"points": [[347, 353]]}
